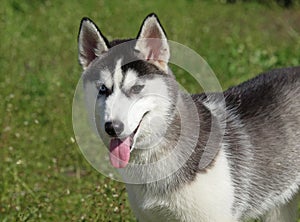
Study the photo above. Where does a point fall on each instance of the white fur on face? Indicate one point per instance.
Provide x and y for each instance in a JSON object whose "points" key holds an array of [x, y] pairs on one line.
{"points": [[154, 100], [105, 77], [130, 80], [118, 75], [130, 108]]}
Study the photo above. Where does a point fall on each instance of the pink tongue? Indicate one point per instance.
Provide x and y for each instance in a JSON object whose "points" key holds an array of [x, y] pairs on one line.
{"points": [[119, 152]]}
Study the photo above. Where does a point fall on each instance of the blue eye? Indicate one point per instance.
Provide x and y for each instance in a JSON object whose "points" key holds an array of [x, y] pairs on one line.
{"points": [[102, 89], [136, 89]]}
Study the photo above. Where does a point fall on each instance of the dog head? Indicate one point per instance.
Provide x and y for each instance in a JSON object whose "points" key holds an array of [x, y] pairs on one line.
{"points": [[129, 87]]}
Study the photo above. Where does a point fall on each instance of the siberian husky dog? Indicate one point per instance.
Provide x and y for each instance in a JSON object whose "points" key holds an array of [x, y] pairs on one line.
{"points": [[253, 171]]}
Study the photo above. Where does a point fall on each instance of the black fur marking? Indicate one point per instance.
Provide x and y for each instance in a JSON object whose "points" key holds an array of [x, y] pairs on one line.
{"points": [[142, 68], [125, 52], [118, 42]]}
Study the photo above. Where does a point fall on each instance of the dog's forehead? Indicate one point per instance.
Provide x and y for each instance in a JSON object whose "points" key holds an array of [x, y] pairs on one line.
{"points": [[108, 71], [115, 65], [101, 68]]}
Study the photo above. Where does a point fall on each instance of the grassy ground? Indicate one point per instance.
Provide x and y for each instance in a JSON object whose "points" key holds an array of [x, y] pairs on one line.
{"points": [[43, 176]]}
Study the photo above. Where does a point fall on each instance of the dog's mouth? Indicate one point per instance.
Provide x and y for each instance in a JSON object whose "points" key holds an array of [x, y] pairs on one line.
{"points": [[119, 149]]}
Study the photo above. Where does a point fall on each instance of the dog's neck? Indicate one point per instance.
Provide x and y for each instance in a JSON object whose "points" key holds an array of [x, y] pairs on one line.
{"points": [[177, 159]]}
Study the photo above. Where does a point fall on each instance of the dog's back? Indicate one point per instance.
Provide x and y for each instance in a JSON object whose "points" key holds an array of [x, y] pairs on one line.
{"points": [[263, 136]]}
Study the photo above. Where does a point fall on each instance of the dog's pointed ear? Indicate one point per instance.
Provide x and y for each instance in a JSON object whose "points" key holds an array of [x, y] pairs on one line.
{"points": [[152, 43], [91, 43]]}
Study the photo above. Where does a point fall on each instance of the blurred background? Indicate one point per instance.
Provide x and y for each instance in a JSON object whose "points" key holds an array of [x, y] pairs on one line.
{"points": [[44, 176]]}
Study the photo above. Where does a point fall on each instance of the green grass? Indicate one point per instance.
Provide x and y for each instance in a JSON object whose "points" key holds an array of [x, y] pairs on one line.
{"points": [[44, 177]]}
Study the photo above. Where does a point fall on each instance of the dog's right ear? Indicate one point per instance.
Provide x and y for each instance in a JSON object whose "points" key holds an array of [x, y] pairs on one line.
{"points": [[152, 43], [91, 42]]}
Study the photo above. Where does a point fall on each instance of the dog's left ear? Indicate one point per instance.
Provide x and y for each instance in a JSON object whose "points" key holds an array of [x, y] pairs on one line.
{"points": [[152, 43], [91, 42]]}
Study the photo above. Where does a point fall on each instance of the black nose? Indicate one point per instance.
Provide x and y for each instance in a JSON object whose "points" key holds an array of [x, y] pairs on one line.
{"points": [[114, 128]]}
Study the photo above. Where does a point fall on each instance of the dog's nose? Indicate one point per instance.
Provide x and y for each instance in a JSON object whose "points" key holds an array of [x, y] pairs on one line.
{"points": [[114, 128]]}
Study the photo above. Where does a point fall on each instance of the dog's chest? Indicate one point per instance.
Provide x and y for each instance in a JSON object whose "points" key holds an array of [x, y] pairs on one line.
{"points": [[208, 198]]}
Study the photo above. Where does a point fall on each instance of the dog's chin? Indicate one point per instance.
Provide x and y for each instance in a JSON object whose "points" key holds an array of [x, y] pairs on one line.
{"points": [[137, 134]]}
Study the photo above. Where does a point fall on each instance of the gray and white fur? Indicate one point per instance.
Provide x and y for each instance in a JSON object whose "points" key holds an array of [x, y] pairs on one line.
{"points": [[254, 169]]}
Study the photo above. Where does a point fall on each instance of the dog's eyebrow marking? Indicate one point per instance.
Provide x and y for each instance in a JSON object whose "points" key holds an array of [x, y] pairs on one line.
{"points": [[118, 74], [106, 77], [129, 79]]}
